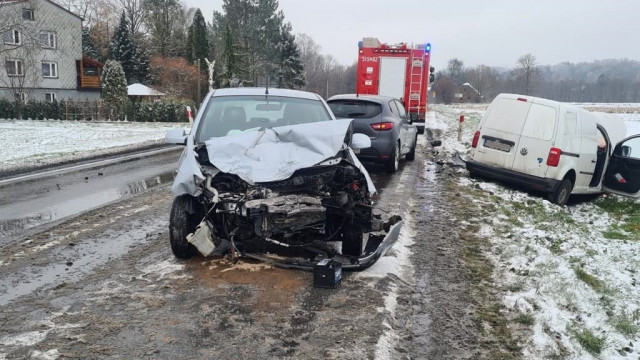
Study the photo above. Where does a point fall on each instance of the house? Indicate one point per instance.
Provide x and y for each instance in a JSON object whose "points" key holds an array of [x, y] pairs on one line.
{"points": [[466, 93], [41, 53]]}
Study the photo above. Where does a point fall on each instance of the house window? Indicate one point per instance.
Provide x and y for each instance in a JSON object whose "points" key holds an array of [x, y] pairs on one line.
{"points": [[14, 67], [48, 39], [11, 37], [49, 69], [20, 96], [27, 14], [50, 96]]}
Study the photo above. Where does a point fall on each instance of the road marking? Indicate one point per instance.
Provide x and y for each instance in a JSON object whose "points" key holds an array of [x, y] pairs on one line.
{"points": [[86, 166]]}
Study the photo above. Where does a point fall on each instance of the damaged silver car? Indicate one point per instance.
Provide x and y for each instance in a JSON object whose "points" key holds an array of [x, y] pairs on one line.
{"points": [[271, 174]]}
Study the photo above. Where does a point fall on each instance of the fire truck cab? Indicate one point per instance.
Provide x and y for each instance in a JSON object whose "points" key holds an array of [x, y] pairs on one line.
{"points": [[400, 71]]}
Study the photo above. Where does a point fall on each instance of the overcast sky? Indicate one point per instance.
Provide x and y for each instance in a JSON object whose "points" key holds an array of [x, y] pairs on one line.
{"points": [[491, 32]]}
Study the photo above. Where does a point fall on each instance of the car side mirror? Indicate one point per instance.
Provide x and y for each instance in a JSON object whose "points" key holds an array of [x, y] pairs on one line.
{"points": [[360, 141], [625, 150], [176, 136]]}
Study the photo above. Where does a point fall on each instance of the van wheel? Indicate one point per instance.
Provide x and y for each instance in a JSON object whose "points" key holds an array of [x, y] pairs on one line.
{"points": [[561, 195]]}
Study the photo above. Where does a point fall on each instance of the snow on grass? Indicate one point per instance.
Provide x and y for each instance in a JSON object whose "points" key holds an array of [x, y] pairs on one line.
{"points": [[569, 276], [43, 142]]}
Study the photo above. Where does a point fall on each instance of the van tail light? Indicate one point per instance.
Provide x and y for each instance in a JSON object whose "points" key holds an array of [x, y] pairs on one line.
{"points": [[383, 126], [476, 137], [522, 99], [554, 157]]}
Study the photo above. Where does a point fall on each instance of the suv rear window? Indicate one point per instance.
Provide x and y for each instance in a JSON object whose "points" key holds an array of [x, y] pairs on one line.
{"points": [[354, 109]]}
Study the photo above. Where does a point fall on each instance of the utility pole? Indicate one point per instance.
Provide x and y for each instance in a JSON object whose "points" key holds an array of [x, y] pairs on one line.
{"points": [[199, 98], [327, 89]]}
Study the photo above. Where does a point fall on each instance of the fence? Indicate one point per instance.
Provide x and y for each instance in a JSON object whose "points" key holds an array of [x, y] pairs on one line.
{"points": [[165, 110]]}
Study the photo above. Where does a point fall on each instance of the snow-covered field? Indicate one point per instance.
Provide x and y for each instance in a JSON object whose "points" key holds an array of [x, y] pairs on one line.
{"points": [[569, 277], [27, 143]]}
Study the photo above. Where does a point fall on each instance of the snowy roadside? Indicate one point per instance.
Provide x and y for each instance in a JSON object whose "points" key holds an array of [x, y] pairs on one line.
{"points": [[568, 277], [34, 143]]}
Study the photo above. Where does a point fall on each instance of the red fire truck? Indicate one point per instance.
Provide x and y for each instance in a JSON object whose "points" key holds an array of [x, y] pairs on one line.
{"points": [[400, 71]]}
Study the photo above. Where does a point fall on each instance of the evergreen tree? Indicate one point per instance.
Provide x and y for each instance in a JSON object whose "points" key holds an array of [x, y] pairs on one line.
{"points": [[198, 39], [230, 56], [114, 85], [122, 48], [141, 66], [290, 67], [88, 48]]}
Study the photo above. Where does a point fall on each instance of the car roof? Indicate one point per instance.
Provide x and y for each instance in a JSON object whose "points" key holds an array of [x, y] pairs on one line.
{"points": [[248, 91], [376, 98]]}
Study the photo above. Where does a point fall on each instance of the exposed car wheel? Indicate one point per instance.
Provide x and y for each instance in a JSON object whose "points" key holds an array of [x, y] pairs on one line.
{"points": [[352, 243], [412, 154], [561, 195], [183, 221], [394, 160]]}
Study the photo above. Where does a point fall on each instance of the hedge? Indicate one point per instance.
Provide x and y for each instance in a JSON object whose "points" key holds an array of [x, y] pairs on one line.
{"points": [[164, 110]]}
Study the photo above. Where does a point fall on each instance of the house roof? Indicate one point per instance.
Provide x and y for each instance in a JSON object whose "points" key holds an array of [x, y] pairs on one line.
{"points": [[90, 61], [49, 1], [141, 90]]}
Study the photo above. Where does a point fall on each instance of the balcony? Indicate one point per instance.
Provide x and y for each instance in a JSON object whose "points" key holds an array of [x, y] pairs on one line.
{"points": [[88, 71]]}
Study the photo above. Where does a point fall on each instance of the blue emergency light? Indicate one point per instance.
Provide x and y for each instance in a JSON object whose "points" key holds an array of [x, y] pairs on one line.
{"points": [[427, 48]]}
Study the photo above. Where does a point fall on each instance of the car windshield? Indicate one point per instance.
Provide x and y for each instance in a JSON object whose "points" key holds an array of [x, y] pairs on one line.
{"points": [[354, 109], [229, 115]]}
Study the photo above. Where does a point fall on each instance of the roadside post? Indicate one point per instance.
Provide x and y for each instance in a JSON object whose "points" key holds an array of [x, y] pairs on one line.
{"points": [[190, 115], [460, 127]]}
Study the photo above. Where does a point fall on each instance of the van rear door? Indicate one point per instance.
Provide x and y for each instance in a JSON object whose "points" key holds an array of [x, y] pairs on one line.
{"points": [[536, 141], [623, 171], [500, 131]]}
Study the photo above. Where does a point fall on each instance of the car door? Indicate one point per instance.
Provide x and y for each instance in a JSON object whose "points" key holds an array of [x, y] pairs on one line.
{"points": [[623, 170], [408, 131]]}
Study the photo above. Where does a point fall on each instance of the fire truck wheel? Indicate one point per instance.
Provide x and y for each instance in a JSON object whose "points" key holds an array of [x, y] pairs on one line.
{"points": [[394, 160]]}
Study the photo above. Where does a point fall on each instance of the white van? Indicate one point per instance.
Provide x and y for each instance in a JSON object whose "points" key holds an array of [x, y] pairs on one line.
{"points": [[556, 148]]}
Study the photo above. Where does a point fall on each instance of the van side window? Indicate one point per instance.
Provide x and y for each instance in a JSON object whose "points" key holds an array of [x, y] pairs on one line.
{"points": [[540, 123], [570, 123]]}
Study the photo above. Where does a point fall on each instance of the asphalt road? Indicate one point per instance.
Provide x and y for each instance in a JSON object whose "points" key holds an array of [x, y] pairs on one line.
{"points": [[87, 272]]}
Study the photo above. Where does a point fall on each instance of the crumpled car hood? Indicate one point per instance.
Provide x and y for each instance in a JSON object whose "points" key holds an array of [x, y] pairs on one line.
{"points": [[275, 154], [269, 154]]}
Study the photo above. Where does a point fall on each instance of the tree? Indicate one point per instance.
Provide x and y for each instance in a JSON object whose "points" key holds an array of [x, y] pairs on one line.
{"points": [[291, 69], [167, 22], [456, 68], [198, 47], [174, 77], [134, 13], [445, 88], [256, 32], [485, 80], [527, 72], [121, 47], [88, 49], [230, 56], [134, 60], [114, 85]]}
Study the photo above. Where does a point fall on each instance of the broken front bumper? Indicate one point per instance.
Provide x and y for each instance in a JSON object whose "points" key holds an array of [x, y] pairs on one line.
{"points": [[376, 248]]}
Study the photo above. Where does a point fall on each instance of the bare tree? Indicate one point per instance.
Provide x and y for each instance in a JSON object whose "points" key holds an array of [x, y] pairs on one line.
{"points": [[445, 88], [134, 13], [485, 80], [527, 72], [456, 69]]}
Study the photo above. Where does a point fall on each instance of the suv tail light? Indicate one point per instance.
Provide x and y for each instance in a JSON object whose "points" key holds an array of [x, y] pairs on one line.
{"points": [[476, 137], [554, 157], [383, 126]]}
